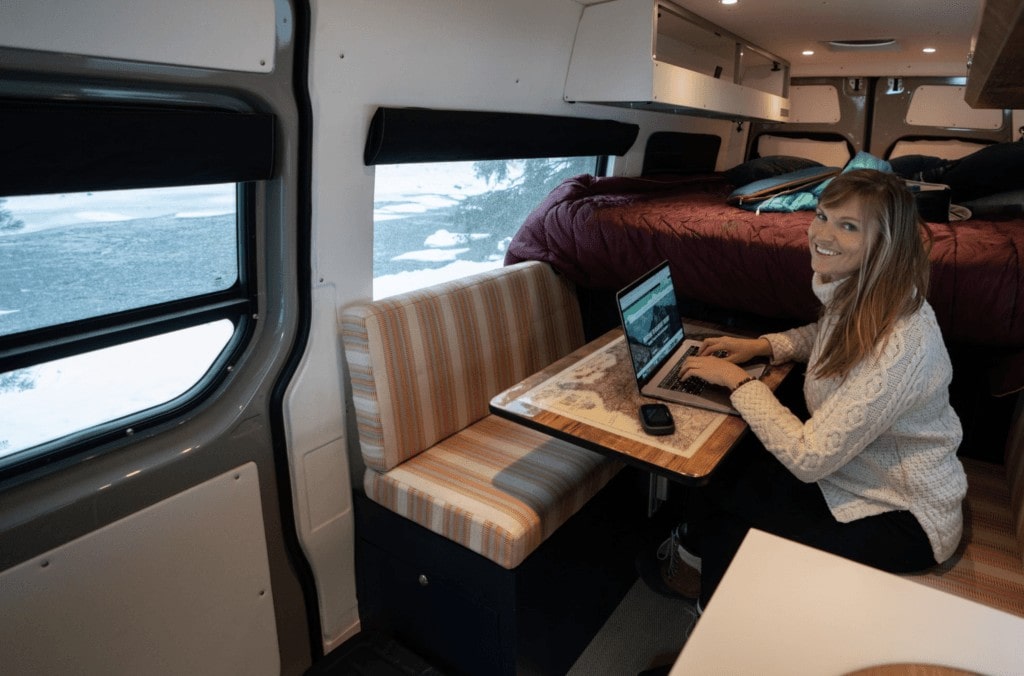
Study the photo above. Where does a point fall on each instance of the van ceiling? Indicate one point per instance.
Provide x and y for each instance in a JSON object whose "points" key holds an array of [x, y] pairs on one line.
{"points": [[788, 27]]}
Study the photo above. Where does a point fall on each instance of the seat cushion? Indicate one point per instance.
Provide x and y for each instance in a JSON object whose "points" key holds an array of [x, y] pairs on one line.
{"points": [[496, 487], [987, 567]]}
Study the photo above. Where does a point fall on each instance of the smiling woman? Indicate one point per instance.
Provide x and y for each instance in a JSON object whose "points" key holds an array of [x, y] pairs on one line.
{"points": [[839, 236], [195, 197]]}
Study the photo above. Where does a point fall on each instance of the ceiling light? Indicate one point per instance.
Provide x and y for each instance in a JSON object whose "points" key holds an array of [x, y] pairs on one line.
{"points": [[808, 52], [728, 2], [928, 50]]}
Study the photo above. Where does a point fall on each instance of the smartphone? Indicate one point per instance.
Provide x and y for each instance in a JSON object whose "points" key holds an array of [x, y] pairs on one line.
{"points": [[656, 419]]}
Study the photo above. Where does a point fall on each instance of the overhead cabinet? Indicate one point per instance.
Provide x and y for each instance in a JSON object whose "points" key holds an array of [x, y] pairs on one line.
{"points": [[995, 76], [655, 55]]}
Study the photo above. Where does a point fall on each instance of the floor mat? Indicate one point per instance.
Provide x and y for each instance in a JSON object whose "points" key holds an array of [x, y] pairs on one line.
{"points": [[646, 629], [372, 654]]}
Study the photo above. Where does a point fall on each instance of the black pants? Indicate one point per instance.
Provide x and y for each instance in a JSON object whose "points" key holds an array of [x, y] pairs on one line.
{"points": [[754, 490]]}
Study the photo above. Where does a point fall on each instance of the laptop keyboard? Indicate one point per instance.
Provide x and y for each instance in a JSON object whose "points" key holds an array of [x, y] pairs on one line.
{"points": [[691, 385]]}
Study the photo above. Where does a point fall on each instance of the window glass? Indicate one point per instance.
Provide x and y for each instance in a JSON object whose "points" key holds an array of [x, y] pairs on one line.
{"points": [[435, 222], [47, 401], [69, 257], [78, 255]]}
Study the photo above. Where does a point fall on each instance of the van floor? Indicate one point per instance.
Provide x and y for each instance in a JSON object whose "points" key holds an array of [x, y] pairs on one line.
{"points": [[372, 654], [646, 630]]}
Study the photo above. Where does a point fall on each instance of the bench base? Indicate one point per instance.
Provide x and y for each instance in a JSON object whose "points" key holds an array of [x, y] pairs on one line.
{"points": [[467, 615]]}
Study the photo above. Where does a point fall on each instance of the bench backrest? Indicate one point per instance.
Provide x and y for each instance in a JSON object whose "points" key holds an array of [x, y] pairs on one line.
{"points": [[425, 364]]}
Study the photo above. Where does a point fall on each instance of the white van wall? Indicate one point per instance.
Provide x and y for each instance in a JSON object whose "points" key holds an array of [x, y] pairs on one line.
{"points": [[495, 55], [491, 55]]}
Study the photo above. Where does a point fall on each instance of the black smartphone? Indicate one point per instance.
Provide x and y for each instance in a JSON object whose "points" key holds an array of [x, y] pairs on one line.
{"points": [[656, 419]]}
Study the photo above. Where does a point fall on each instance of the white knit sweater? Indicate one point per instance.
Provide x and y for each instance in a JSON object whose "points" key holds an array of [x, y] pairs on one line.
{"points": [[882, 439]]}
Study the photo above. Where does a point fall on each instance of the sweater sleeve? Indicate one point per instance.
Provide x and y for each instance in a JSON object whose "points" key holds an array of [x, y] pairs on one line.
{"points": [[872, 397], [792, 345]]}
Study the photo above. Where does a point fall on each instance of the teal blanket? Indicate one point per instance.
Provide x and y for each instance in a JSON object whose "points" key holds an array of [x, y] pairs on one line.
{"points": [[806, 200]]}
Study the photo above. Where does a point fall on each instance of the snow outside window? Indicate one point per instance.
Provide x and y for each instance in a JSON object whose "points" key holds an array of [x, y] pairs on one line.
{"points": [[71, 257], [435, 222]]}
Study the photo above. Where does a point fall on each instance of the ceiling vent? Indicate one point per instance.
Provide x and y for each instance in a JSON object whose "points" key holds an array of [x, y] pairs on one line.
{"points": [[870, 45]]}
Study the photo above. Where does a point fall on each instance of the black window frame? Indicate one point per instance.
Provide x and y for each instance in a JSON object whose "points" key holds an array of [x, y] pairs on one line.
{"points": [[412, 135], [210, 145], [426, 135]]}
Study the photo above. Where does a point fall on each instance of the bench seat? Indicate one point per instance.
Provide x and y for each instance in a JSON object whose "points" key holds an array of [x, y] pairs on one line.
{"points": [[424, 366], [496, 487], [477, 537]]}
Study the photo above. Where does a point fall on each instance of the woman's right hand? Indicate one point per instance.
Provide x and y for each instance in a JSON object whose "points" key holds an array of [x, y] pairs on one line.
{"points": [[736, 350]]}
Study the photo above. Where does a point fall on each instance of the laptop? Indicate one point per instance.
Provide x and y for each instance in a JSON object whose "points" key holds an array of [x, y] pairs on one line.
{"points": [[658, 345]]}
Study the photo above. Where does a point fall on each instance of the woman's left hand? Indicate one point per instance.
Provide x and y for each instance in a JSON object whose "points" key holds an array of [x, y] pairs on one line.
{"points": [[715, 370]]}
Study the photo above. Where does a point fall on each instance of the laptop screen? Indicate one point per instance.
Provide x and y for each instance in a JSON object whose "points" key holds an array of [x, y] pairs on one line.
{"points": [[650, 320]]}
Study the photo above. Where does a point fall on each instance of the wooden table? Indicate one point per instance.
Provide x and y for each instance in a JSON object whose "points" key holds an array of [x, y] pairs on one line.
{"points": [[783, 608], [590, 398]]}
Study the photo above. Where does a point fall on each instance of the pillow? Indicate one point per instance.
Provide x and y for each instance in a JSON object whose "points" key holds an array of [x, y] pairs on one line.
{"points": [[801, 187], [924, 168], [1001, 206], [996, 169], [798, 190], [766, 167], [863, 160]]}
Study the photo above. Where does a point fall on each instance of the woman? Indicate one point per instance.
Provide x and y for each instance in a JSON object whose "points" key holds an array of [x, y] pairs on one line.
{"points": [[872, 474]]}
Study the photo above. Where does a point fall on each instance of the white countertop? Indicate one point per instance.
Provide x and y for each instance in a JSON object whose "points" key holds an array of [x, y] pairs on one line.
{"points": [[784, 608]]}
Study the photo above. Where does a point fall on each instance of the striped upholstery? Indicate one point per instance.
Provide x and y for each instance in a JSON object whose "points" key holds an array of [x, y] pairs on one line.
{"points": [[495, 487], [424, 366], [989, 565]]}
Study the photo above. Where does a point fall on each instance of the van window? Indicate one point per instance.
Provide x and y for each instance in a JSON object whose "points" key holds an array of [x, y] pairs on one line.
{"points": [[82, 263], [50, 400], [434, 222], [72, 256]]}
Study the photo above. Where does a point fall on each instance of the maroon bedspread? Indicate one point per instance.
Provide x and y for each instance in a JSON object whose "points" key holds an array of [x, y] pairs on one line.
{"points": [[604, 232]]}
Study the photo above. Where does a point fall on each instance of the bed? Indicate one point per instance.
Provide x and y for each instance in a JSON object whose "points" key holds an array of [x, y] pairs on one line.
{"points": [[604, 232]]}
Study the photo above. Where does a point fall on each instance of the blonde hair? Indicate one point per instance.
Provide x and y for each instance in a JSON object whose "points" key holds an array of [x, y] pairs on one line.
{"points": [[892, 280]]}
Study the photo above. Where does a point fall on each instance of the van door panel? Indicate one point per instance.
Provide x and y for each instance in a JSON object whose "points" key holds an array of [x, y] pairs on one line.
{"points": [[180, 587]]}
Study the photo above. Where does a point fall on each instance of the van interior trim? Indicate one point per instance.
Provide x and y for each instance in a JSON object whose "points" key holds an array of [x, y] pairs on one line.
{"points": [[77, 147], [854, 100], [207, 547], [406, 135], [48, 343]]}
